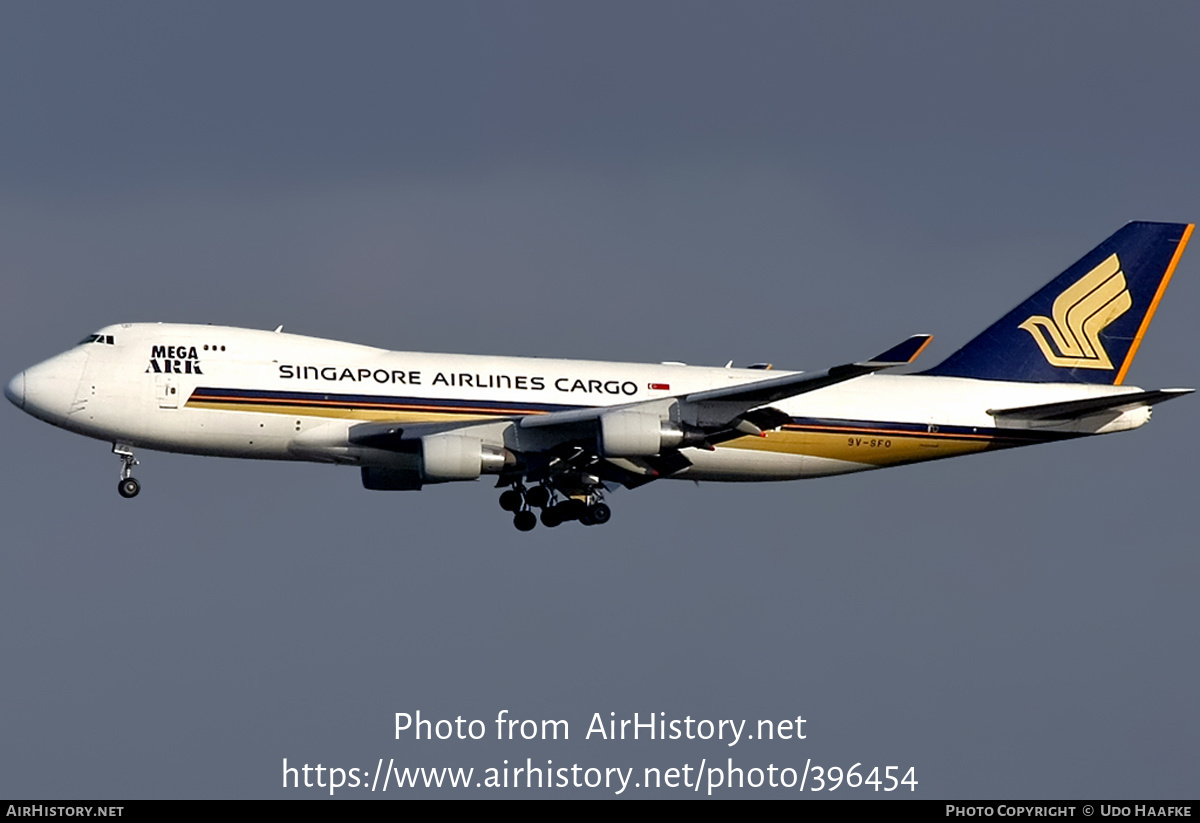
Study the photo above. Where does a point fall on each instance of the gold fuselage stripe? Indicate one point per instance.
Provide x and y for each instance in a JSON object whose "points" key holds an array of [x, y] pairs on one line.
{"points": [[872, 450]]}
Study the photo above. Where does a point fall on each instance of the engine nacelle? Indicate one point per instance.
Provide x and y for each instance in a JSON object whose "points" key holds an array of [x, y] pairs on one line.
{"points": [[380, 479], [446, 457], [636, 434]]}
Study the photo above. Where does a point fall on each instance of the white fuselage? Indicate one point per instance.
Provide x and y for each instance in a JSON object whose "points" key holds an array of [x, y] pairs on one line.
{"points": [[232, 392]]}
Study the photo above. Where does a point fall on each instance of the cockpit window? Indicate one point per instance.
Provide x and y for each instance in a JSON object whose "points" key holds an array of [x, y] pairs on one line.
{"points": [[106, 339]]}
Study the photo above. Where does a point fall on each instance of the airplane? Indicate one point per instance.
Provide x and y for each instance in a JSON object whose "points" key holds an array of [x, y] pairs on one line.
{"points": [[559, 434]]}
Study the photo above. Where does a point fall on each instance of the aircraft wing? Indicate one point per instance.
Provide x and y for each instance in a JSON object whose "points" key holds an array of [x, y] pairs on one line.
{"points": [[405, 437], [722, 405], [751, 395], [634, 443]]}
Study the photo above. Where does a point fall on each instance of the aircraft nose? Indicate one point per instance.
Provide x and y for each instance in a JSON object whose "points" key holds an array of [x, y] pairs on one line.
{"points": [[15, 390], [47, 389]]}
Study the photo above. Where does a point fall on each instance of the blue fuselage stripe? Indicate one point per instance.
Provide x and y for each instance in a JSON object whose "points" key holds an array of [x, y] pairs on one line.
{"points": [[475, 408]]}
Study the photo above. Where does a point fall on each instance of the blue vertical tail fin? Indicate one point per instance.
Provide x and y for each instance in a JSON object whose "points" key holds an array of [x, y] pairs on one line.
{"points": [[1087, 324]]}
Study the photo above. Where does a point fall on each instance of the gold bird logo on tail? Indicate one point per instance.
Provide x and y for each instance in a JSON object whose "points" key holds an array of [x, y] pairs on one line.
{"points": [[1081, 312]]}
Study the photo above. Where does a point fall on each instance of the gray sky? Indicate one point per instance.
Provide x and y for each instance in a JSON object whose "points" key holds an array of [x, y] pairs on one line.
{"points": [[799, 184]]}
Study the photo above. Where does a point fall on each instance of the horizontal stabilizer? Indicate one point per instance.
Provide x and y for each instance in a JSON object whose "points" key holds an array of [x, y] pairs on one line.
{"points": [[1071, 409]]}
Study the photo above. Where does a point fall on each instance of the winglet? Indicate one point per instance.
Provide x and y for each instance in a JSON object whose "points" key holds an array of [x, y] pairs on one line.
{"points": [[906, 352]]}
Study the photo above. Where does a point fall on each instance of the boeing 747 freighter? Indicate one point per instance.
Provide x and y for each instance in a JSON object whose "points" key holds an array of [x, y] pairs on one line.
{"points": [[558, 434]]}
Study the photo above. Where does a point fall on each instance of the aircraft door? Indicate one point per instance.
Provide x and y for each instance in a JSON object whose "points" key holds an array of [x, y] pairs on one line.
{"points": [[167, 388]]}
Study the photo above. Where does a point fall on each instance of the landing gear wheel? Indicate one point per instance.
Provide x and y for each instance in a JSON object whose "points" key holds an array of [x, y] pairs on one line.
{"points": [[569, 510], [127, 487], [510, 501], [586, 518], [599, 514], [551, 517], [524, 521], [538, 497]]}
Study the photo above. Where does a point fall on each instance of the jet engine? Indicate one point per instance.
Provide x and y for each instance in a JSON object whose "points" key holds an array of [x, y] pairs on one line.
{"points": [[636, 434], [446, 457]]}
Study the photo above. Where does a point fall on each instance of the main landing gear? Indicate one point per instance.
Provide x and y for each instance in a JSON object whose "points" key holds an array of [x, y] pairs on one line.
{"points": [[127, 486], [588, 508]]}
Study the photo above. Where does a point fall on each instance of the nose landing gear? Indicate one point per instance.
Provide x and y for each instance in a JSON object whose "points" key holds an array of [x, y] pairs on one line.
{"points": [[127, 486]]}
